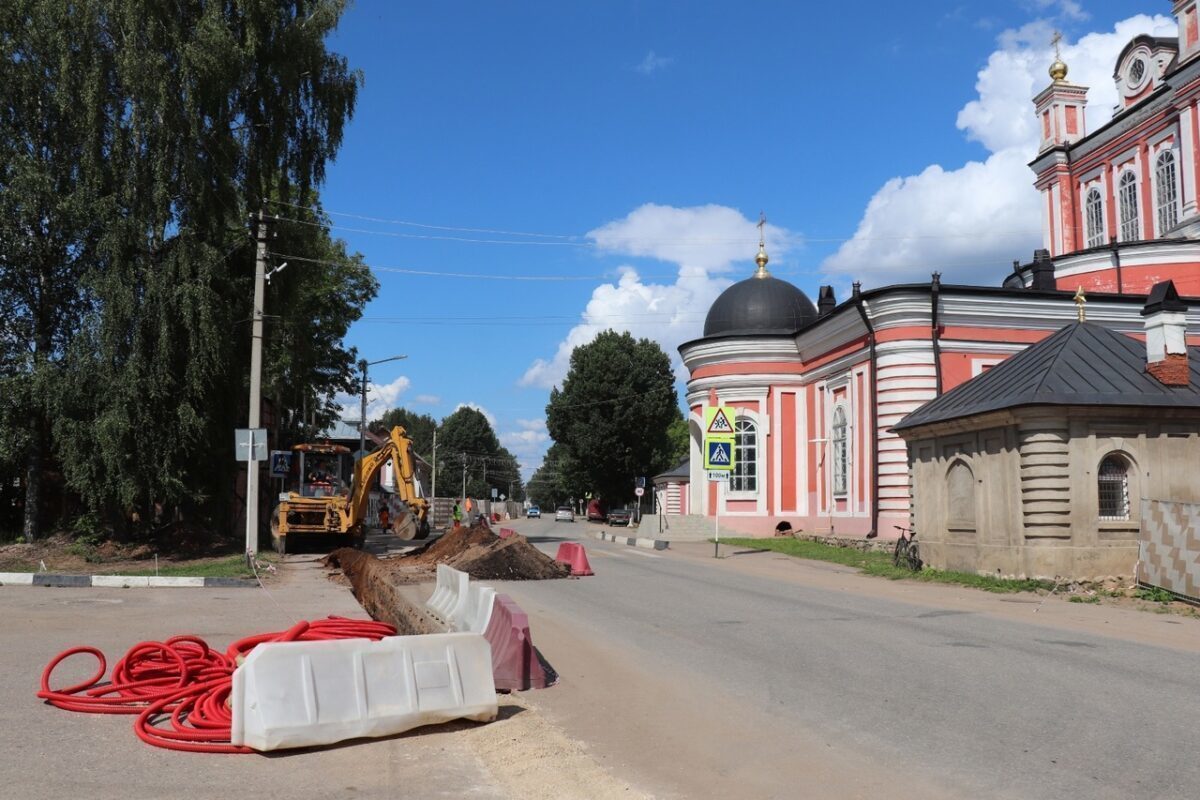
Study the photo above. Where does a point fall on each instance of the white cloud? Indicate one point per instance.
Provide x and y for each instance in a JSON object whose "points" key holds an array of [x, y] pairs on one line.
{"points": [[489, 416], [970, 222], [652, 63], [703, 241], [381, 397], [427, 399]]}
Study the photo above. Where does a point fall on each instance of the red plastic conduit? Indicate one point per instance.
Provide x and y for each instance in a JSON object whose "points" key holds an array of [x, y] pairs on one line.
{"points": [[184, 682]]}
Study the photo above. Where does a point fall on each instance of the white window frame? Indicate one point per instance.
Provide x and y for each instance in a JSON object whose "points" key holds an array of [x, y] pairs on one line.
{"points": [[1166, 190], [839, 462], [737, 491], [1094, 217], [1127, 196]]}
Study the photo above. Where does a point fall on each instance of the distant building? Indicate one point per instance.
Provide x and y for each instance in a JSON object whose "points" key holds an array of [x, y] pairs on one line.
{"points": [[818, 387]]}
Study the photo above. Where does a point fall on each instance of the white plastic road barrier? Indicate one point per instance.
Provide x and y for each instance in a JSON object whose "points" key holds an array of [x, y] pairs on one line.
{"points": [[16, 578], [451, 594], [301, 694], [440, 589], [478, 611]]}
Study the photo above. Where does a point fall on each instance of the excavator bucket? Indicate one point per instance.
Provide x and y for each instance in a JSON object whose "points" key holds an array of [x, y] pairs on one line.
{"points": [[405, 526]]}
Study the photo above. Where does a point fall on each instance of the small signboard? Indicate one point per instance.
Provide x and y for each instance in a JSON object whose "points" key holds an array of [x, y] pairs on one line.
{"points": [[250, 444], [718, 420], [718, 452], [718, 476], [281, 463], [639, 491], [495, 492]]}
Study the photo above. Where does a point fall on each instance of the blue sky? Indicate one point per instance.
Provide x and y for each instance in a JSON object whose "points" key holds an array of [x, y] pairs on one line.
{"points": [[640, 140]]}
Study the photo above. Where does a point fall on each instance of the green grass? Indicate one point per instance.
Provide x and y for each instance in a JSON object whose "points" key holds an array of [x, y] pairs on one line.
{"points": [[228, 567], [880, 564]]}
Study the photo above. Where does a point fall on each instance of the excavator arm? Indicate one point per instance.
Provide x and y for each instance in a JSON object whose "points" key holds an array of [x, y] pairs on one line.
{"points": [[397, 449]]}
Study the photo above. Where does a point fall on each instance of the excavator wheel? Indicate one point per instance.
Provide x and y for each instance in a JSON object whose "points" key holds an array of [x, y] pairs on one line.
{"points": [[423, 529]]}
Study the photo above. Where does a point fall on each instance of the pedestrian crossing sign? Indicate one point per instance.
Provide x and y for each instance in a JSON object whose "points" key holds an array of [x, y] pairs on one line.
{"points": [[718, 453], [718, 420]]}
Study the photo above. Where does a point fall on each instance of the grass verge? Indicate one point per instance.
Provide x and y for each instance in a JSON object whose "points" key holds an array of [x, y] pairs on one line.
{"points": [[875, 563], [228, 567]]}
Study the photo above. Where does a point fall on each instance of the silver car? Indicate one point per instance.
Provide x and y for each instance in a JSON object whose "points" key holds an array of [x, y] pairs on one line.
{"points": [[564, 514]]}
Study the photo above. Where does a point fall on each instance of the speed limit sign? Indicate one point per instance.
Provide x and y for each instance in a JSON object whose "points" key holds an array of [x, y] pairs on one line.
{"points": [[639, 491]]}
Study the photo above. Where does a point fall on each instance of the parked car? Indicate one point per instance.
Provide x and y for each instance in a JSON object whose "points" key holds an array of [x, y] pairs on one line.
{"points": [[564, 514], [595, 511], [620, 516], [533, 511]]}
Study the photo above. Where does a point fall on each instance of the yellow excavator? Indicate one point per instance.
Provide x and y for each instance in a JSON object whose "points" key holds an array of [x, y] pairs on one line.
{"points": [[324, 505]]}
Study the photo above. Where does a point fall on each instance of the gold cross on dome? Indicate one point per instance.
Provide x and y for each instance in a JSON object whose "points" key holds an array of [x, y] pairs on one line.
{"points": [[762, 221], [1080, 299], [1054, 41]]}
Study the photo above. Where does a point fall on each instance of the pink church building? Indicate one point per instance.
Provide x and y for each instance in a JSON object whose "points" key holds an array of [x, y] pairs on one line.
{"points": [[818, 387]]}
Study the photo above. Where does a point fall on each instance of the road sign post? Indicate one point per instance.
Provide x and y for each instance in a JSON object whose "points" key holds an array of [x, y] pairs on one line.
{"points": [[720, 454]]}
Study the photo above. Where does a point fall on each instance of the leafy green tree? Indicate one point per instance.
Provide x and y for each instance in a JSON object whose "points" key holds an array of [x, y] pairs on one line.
{"points": [[557, 480], [467, 445], [420, 428], [311, 304], [159, 128], [613, 412], [680, 441], [51, 66]]}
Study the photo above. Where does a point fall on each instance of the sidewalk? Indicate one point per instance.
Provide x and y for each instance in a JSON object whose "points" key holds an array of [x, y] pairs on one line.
{"points": [[50, 753]]}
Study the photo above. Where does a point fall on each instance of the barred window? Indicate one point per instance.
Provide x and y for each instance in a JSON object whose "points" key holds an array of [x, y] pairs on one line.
{"points": [[841, 455], [745, 463], [1129, 208], [1094, 210], [1164, 192], [1113, 481]]}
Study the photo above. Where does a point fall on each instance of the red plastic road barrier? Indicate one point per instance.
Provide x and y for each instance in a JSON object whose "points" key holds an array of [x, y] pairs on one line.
{"points": [[184, 681], [515, 665], [507, 532], [574, 556]]}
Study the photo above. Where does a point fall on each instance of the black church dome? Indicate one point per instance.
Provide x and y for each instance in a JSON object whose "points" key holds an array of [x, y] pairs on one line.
{"points": [[761, 304]]}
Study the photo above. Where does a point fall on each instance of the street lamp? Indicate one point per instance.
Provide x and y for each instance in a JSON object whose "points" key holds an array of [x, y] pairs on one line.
{"points": [[362, 423]]}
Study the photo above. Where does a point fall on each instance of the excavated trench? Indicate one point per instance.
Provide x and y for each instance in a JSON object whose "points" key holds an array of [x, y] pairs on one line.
{"points": [[475, 550]]}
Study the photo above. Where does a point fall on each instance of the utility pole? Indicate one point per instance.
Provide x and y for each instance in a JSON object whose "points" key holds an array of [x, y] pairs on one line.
{"points": [[256, 335], [362, 419], [464, 488], [433, 480]]}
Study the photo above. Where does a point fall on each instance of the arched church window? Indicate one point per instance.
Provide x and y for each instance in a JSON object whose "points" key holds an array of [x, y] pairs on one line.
{"points": [[1113, 483], [745, 464], [841, 455], [1164, 192], [1129, 207], [960, 497], [1094, 210]]}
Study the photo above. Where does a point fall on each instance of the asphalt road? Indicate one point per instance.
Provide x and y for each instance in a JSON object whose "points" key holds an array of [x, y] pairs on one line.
{"points": [[977, 697]]}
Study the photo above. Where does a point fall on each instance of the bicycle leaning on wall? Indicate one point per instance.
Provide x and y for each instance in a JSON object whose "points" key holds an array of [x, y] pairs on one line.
{"points": [[907, 552]]}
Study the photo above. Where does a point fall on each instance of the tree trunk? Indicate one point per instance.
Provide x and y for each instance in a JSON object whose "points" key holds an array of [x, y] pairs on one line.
{"points": [[33, 486]]}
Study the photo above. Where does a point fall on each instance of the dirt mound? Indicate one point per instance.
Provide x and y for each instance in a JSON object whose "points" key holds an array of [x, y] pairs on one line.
{"points": [[511, 559], [481, 554], [453, 542]]}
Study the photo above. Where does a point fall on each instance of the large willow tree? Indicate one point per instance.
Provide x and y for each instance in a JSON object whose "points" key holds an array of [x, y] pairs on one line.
{"points": [[136, 138]]}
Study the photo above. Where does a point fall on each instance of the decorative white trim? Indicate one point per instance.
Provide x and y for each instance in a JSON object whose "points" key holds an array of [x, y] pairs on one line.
{"points": [[1187, 163]]}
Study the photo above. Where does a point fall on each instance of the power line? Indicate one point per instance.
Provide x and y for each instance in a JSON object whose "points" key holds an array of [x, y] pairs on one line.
{"points": [[588, 240]]}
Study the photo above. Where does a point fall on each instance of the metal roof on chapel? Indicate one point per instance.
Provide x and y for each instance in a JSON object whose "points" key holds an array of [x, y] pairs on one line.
{"points": [[1083, 364]]}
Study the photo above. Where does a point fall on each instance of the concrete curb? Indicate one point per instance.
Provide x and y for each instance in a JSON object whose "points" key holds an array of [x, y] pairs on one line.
{"points": [[633, 541], [120, 581]]}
